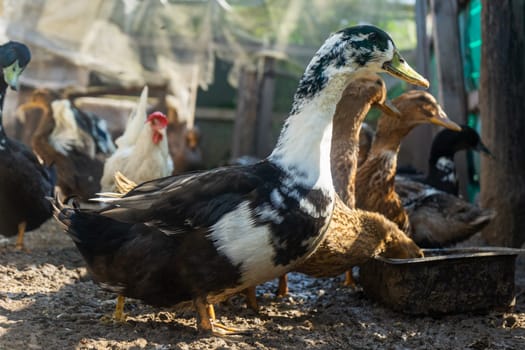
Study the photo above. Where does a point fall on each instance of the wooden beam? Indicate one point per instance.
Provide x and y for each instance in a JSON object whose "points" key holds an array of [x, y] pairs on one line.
{"points": [[452, 95], [502, 108], [243, 142], [264, 140], [415, 148], [423, 46]]}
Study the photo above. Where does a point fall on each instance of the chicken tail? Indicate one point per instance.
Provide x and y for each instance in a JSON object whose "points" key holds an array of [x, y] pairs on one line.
{"points": [[123, 184]]}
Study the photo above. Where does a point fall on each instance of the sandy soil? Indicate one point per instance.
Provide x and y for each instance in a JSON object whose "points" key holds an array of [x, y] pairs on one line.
{"points": [[48, 301]]}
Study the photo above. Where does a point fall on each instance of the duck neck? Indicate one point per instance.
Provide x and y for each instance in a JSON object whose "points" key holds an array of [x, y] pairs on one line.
{"points": [[384, 143], [349, 117], [383, 155], [303, 148]]}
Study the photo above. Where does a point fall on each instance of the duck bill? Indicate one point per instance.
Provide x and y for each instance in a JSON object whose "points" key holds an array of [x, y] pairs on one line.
{"points": [[11, 74], [399, 68], [480, 147], [442, 120], [388, 107]]}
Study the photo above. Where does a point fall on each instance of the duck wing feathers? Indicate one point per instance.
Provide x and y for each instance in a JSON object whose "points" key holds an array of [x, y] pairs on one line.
{"points": [[439, 219]]}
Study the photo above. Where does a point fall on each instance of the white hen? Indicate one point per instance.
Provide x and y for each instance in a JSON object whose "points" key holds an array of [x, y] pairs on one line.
{"points": [[142, 150]]}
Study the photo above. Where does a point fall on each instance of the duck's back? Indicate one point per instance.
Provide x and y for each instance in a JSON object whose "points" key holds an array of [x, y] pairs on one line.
{"points": [[25, 185]]}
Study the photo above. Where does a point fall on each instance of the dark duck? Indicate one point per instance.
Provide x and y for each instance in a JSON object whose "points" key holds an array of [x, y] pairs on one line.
{"points": [[202, 236], [441, 166], [24, 182]]}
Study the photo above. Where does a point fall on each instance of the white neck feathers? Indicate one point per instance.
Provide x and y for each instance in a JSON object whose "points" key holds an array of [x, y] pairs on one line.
{"points": [[303, 149]]}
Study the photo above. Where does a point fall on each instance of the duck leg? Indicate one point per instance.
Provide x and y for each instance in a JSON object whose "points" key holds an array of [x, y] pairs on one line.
{"points": [[211, 311], [119, 314], [251, 298], [206, 322], [282, 288], [349, 280], [20, 237]]}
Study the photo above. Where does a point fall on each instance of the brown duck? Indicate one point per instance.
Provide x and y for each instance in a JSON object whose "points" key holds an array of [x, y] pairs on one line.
{"points": [[431, 217]]}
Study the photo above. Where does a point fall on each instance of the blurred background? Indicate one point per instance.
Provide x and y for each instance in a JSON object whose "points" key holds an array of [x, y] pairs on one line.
{"points": [[230, 67]]}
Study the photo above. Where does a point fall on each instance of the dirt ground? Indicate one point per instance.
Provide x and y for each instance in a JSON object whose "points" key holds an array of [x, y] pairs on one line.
{"points": [[48, 301]]}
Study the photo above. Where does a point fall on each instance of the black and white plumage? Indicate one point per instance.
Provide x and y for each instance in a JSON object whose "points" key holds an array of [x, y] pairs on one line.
{"points": [[441, 166], [24, 182], [202, 236], [97, 128]]}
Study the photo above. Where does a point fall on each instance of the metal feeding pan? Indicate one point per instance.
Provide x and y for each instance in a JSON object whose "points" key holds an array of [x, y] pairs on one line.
{"points": [[445, 281]]}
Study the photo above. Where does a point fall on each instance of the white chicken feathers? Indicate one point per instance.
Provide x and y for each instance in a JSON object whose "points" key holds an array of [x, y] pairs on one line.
{"points": [[137, 157]]}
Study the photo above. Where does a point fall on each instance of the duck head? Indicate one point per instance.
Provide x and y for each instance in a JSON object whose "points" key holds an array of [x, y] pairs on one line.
{"points": [[470, 139], [158, 123], [192, 138], [14, 57], [370, 47], [368, 88], [420, 107], [349, 54], [448, 142]]}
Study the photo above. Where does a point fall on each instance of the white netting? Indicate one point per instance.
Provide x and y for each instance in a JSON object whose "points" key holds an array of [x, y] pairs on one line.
{"points": [[175, 42]]}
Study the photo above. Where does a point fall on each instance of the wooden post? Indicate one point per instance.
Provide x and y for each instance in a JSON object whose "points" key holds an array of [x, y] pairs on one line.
{"points": [[502, 109], [423, 46], [246, 115], [415, 149], [452, 93], [264, 141]]}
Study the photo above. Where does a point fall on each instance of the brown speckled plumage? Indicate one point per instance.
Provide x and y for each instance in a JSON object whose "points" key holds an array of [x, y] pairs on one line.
{"points": [[375, 178], [440, 219], [353, 237]]}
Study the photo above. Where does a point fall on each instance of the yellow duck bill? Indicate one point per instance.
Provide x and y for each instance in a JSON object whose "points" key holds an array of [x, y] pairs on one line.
{"points": [[11, 74], [399, 68], [442, 120]]}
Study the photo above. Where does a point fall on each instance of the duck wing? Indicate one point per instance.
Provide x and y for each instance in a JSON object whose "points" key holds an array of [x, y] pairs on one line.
{"points": [[189, 201], [439, 219]]}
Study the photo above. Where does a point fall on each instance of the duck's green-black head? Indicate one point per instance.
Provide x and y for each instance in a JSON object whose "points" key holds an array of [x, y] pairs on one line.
{"points": [[363, 48], [14, 57], [448, 142]]}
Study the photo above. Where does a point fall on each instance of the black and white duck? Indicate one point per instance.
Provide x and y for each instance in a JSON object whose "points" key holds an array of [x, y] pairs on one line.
{"points": [[441, 166], [24, 182], [203, 236]]}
